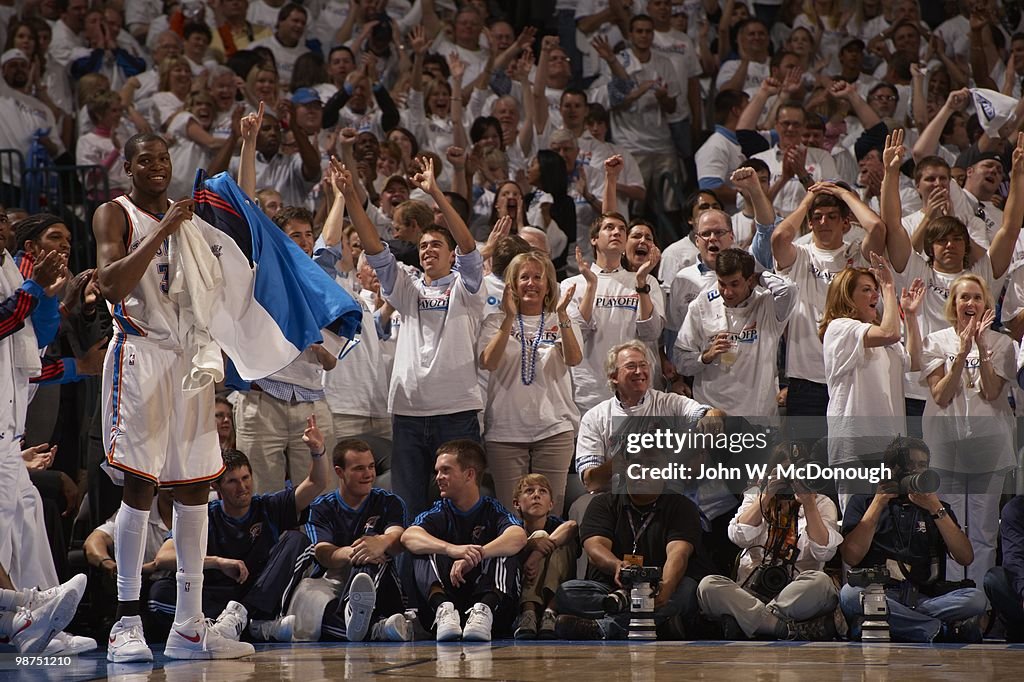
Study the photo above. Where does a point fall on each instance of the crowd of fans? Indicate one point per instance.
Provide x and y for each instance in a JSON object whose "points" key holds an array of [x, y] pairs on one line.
{"points": [[553, 216]]}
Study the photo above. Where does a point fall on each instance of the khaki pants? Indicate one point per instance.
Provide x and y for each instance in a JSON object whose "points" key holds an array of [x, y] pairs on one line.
{"points": [[269, 432], [508, 462], [554, 571], [809, 595], [351, 426]]}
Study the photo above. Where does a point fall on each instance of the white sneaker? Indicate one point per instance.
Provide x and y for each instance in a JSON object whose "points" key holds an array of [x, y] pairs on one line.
{"points": [[478, 624], [449, 627], [36, 598], [232, 621], [69, 644], [127, 643], [362, 597], [276, 630], [394, 628], [46, 613], [194, 639]]}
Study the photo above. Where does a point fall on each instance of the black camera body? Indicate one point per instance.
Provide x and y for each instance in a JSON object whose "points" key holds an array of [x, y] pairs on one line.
{"points": [[630, 575], [800, 457], [862, 577], [765, 582]]}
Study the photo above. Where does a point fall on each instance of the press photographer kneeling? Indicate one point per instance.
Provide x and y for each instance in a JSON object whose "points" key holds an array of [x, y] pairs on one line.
{"points": [[787, 533], [643, 526], [909, 531]]}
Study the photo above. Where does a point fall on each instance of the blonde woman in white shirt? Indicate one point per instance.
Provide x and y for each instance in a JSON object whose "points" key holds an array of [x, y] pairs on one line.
{"points": [[528, 348], [865, 362], [968, 423]]}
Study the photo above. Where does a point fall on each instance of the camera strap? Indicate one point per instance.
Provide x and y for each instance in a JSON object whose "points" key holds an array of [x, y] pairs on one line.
{"points": [[644, 523]]}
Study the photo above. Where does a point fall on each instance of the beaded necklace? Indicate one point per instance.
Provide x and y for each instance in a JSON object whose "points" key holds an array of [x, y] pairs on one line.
{"points": [[528, 362]]}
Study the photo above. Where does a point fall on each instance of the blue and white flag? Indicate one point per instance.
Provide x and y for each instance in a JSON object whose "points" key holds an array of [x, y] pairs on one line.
{"points": [[274, 300], [994, 109]]}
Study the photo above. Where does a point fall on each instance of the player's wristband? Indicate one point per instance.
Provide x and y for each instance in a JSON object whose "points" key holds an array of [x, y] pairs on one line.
{"points": [[317, 455]]}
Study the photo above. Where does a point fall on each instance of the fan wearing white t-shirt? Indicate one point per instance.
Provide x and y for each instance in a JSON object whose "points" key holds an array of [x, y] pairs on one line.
{"points": [[968, 423], [528, 348], [611, 306], [865, 362], [730, 338], [434, 396], [628, 373], [747, 72], [949, 250], [812, 266]]}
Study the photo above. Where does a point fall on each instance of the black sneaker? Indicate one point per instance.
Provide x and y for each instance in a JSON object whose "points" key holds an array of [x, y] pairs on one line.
{"points": [[967, 631], [575, 628], [731, 630], [820, 629]]}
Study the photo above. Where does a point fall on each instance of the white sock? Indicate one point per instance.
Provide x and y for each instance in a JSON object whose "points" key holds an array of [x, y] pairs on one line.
{"points": [[129, 548], [12, 599], [190, 532]]}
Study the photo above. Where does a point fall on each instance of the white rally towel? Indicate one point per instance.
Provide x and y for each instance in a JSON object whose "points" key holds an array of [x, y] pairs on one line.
{"points": [[195, 279], [994, 109], [274, 301]]}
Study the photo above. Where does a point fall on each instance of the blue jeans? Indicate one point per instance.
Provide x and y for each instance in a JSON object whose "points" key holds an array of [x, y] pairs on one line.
{"points": [[415, 441], [584, 598], [1005, 602], [920, 623]]}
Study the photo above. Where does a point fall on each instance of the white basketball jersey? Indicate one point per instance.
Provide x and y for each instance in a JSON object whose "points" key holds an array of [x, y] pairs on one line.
{"points": [[147, 310]]}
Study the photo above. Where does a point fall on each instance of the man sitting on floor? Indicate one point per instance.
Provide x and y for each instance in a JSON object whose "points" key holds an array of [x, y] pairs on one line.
{"points": [[465, 549], [252, 546]]}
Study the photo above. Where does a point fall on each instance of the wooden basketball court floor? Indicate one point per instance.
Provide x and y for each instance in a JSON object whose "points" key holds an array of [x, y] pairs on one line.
{"points": [[563, 662]]}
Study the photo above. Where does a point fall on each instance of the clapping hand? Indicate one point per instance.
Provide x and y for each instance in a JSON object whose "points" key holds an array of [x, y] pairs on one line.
{"points": [[910, 299]]}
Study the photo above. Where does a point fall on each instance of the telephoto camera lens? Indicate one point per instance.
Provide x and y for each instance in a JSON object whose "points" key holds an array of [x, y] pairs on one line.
{"points": [[616, 602], [926, 481]]}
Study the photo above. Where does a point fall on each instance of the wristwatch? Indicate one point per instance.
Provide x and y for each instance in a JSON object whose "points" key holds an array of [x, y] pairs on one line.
{"points": [[645, 289], [941, 514]]}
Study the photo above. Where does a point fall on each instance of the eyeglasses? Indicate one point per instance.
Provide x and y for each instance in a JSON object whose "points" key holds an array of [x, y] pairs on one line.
{"points": [[708, 234], [634, 366]]}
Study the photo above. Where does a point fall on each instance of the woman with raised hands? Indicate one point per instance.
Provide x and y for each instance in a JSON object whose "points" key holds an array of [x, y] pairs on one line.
{"points": [[865, 361], [968, 423], [528, 347]]}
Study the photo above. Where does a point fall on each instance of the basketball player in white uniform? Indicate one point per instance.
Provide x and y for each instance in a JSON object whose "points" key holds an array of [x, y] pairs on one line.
{"points": [[154, 434]]}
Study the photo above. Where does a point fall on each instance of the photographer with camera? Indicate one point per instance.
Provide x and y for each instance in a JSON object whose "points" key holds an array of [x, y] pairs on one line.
{"points": [[642, 538], [909, 531], [787, 534]]}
